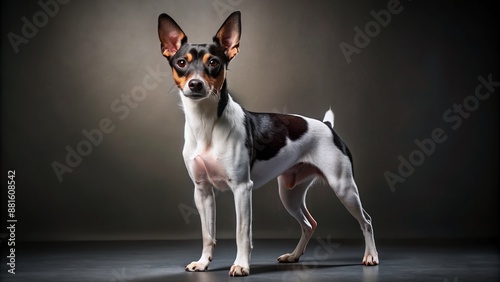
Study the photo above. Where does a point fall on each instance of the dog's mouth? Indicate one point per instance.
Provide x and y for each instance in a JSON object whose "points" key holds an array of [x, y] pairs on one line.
{"points": [[198, 95], [195, 95]]}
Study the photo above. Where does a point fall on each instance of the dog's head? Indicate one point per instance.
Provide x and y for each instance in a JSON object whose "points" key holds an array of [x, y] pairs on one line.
{"points": [[199, 70]]}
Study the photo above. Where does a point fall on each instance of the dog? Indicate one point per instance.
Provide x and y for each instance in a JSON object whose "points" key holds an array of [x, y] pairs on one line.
{"points": [[229, 148]]}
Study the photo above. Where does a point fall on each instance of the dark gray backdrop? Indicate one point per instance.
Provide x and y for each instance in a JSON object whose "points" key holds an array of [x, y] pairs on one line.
{"points": [[71, 74]]}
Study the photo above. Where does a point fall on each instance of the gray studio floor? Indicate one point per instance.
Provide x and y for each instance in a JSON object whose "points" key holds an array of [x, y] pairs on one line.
{"points": [[325, 260]]}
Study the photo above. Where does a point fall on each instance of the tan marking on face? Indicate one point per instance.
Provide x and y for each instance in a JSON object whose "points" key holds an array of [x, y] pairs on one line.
{"points": [[215, 83], [206, 57], [180, 81], [189, 57]]}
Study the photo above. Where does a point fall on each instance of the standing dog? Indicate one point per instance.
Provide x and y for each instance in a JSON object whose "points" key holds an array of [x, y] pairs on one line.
{"points": [[229, 148]]}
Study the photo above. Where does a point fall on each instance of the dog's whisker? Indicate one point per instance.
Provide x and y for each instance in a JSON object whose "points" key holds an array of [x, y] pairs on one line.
{"points": [[214, 93]]}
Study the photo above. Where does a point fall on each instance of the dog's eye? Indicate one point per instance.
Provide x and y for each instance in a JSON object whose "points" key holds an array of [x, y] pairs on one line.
{"points": [[213, 63], [181, 63]]}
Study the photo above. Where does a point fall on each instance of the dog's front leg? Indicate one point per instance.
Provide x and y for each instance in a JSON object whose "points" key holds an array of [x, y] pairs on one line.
{"points": [[243, 203], [204, 198]]}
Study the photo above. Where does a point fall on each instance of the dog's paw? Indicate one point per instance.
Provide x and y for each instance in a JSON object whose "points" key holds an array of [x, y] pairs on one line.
{"points": [[237, 270], [370, 260], [196, 266], [288, 258]]}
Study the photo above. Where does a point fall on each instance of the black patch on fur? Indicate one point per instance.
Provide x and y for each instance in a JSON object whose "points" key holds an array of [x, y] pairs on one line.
{"points": [[224, 98], [267, 133], [340, 144]]}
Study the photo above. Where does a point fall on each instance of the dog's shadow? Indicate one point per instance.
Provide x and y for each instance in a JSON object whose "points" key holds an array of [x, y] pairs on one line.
{"points": [[286, 267]]}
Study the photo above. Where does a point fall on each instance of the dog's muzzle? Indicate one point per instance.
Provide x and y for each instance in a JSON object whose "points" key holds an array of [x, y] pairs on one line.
{"points": [[196, 89]]}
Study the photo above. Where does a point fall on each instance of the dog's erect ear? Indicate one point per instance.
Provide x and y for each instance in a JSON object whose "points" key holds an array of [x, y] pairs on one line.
{"points": [[228, 35], [171, 35]]}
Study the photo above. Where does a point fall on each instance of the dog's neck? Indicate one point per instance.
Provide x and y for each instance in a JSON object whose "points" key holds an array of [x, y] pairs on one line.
{"points": [[202, 116]]}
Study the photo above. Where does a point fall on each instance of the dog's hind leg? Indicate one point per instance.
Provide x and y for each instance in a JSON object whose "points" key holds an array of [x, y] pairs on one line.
{"points": [[294, 199], [346, 190]]}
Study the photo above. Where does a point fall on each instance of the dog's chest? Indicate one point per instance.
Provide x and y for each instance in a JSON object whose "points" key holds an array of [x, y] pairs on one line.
{"points": [[206, 168]]}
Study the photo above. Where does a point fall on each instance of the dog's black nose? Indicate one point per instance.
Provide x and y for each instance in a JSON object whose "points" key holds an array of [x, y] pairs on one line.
{"points": [[195, 85]]}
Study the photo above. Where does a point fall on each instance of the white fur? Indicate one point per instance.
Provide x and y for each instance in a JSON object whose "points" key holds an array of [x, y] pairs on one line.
{"points": [[329, 116]]}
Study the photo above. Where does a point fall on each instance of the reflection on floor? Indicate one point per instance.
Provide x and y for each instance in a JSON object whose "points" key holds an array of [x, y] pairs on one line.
{"points": [[324, 260]]}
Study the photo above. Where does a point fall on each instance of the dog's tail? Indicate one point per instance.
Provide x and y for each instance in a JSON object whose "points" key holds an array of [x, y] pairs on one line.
{"points": [[329, 118]]}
